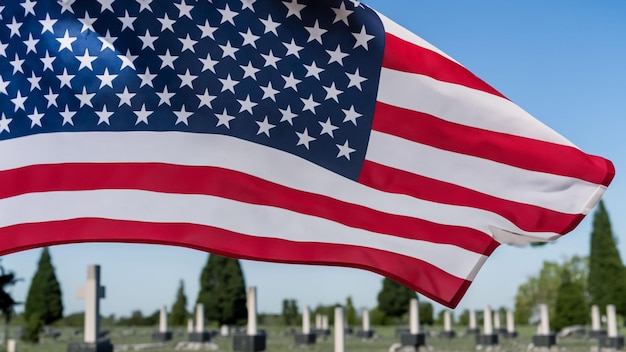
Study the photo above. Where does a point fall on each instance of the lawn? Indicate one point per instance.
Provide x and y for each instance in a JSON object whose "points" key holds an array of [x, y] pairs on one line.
{"points": [[280, 339]]}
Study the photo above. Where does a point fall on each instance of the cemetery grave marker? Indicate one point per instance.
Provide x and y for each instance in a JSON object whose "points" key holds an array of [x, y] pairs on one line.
{"points": [[366, 333], [199, 334], [92, 292], [510, 332], [305, 337], [163, 334], [596, 329], [340, 338], [253, 340], [544, 337], [612, 340], [447, 332], [415, 338], [472, 328], [488, 338]]}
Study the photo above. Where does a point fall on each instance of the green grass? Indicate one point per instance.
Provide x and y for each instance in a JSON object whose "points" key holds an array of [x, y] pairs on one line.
{"points": [[280, 341]]}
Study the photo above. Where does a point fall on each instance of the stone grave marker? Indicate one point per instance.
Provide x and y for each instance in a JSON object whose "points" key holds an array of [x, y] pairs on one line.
{"points": [[488, 338], [447, 332], [91, 292], [253, 340], [612, 340], [340, 337], [366, 332], [323, 331], [596, 328], [224, 331], [199, 334], [497, 323], [190, 326], [544, 338], [472, 329], [11, 345], [415, 338], [163, 334], [510, 332], [306, 337]]}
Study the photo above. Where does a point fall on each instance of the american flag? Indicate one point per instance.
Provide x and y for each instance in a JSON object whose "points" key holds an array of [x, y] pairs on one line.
{"points": [[297, 131]]}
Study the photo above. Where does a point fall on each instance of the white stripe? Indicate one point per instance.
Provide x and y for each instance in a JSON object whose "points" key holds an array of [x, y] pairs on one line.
{"points": [[397, 30], [564, 194], [235, 154], [461, 105], [260, 221]]}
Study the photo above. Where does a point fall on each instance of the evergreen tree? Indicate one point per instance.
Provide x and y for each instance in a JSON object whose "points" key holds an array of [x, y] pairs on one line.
{"points": [[394, 298], [178, 316], [426, 313], [7, 303], [350, 312], [44, 304], [571, 306], [223, 290], [607, 275], [464, 317], [290, 312]]}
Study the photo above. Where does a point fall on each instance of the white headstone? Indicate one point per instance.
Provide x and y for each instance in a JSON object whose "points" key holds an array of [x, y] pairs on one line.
{"points": [[339, 330], [306, 320], [595, 318], [252, 325], [472, 319], [11, 345], [224, 330], [510, 321], [611, 321], [487, 325], [318, 321], [496, 320], [199, 317], [325, 322], [545, 320], [414, 317], [163, 319], [92, 292], [366, 320], [190, 326], [447, 321]]}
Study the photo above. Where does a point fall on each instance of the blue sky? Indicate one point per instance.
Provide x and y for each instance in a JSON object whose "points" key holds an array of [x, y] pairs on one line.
{"points": [[562, 61]]}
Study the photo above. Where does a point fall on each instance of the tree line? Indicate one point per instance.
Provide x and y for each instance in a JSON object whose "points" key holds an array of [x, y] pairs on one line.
{"points": [[571, 287]]}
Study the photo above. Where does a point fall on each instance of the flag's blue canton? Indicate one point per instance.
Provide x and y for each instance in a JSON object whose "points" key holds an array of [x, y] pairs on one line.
{"points": [[297, 75]]}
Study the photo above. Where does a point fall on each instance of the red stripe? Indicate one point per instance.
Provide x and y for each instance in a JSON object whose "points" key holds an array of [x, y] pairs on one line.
{"points": [[237, 186], [525, 216], [404, 56], [418, 275], [525, 153]]}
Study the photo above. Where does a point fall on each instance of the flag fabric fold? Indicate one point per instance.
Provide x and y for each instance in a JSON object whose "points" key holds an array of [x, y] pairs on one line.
{"points": [[316, 132]]}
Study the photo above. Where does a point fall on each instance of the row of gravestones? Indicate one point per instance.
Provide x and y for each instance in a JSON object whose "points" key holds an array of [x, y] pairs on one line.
{"points": [[489, 336], [251, 341], [254, 340]]}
